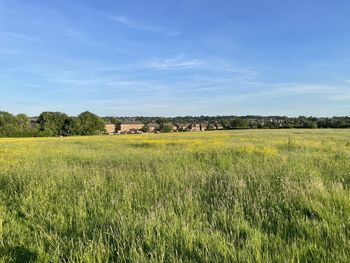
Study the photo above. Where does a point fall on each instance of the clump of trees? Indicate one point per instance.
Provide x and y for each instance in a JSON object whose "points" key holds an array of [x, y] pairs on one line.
{"points": [[50, 124], [238, 123], [145, 128], [57, 123], [15, 125], [166, 127]]}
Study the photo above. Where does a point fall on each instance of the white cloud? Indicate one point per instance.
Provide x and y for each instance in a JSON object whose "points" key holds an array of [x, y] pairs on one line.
{"points": [[132, 23], [174, 63], [275, 91], [174, 34], [121, 19]]}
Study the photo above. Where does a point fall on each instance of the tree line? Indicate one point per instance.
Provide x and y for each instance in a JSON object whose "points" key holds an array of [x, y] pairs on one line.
{"points": [[87, 123], [249, 121], [50, 124]]}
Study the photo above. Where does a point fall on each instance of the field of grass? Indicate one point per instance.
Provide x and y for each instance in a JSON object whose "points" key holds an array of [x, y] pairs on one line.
{"points": [[235, 196]]}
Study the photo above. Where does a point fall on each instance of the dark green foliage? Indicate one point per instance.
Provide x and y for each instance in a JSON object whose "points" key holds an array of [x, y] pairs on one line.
{"points": [[15, 126], [72, 126], [225, 123], [90, 124], [114, 120], [238, 123], [145, 128], [52, 123], [22, 254], [23, 122], [8, 123], [167, 127]]}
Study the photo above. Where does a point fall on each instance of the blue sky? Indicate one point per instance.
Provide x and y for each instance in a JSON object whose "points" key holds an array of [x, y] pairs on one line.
{"points": [[170, 58]]}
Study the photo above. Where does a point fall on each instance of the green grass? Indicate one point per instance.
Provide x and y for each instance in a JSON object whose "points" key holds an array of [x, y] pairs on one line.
{"points": [[236, 196]]}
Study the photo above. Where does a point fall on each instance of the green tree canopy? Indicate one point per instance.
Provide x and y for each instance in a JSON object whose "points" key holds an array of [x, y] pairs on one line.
{"points": [[114, 120], [72, 126], [90, 124], [52, 123], [23, 121], [145, 128], [166, 127], [8, 124], [238, 123]]}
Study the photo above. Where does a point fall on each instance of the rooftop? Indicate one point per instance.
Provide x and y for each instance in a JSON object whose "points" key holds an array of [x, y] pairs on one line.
{"points": [[130, 122]]}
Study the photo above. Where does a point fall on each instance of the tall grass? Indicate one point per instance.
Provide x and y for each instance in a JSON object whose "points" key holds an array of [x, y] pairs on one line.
{"points": [[236, 196]]}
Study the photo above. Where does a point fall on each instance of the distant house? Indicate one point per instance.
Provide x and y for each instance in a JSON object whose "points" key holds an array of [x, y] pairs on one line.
{"points": [[218, 126], [153, 127], [204, 126], [124, 127], [110, 128], [174, 127], [215, 126], [211, 126], [134, 131], [169, 124], [195, 127], [182, 126]]}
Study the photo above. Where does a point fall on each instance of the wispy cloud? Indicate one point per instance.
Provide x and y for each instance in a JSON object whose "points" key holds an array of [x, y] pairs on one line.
{"points": [[134, 24], [284, 90], [139, 25], [174, 34], [121, 19], [177, 63]]}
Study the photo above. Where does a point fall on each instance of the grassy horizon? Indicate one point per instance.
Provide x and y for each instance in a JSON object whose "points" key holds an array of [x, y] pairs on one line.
{"points": [[226, 196]]}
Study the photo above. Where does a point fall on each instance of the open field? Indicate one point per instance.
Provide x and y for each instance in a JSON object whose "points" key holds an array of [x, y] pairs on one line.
{"points": [[238, 196]]}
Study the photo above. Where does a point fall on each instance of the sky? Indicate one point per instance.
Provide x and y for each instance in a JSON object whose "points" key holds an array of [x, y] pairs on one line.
{"points": [[175, 58]]}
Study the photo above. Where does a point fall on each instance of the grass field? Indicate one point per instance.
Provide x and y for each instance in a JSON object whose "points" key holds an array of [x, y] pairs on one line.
{"points": [[235, 196]]}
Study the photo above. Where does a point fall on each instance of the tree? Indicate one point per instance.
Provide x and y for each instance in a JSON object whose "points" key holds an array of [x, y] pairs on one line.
{"points": [[161, 121], [90, 124], [114, 120], [225, 123], [23, 126], [8, 124], [23, 122], [309, 124], [52, 123], [166, 127], [145, 128], [238, 123], [72, 126]]}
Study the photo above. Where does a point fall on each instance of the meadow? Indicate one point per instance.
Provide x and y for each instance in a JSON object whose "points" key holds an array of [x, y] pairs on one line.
{"points": [[228, 196]]}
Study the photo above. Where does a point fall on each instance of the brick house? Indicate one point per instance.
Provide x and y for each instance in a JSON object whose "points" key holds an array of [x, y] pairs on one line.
{"points": [[174, 127], [182, 126], [218, 126], [123, 127], [195, 127], [153, 126], [204, 126], [110, 128]]}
